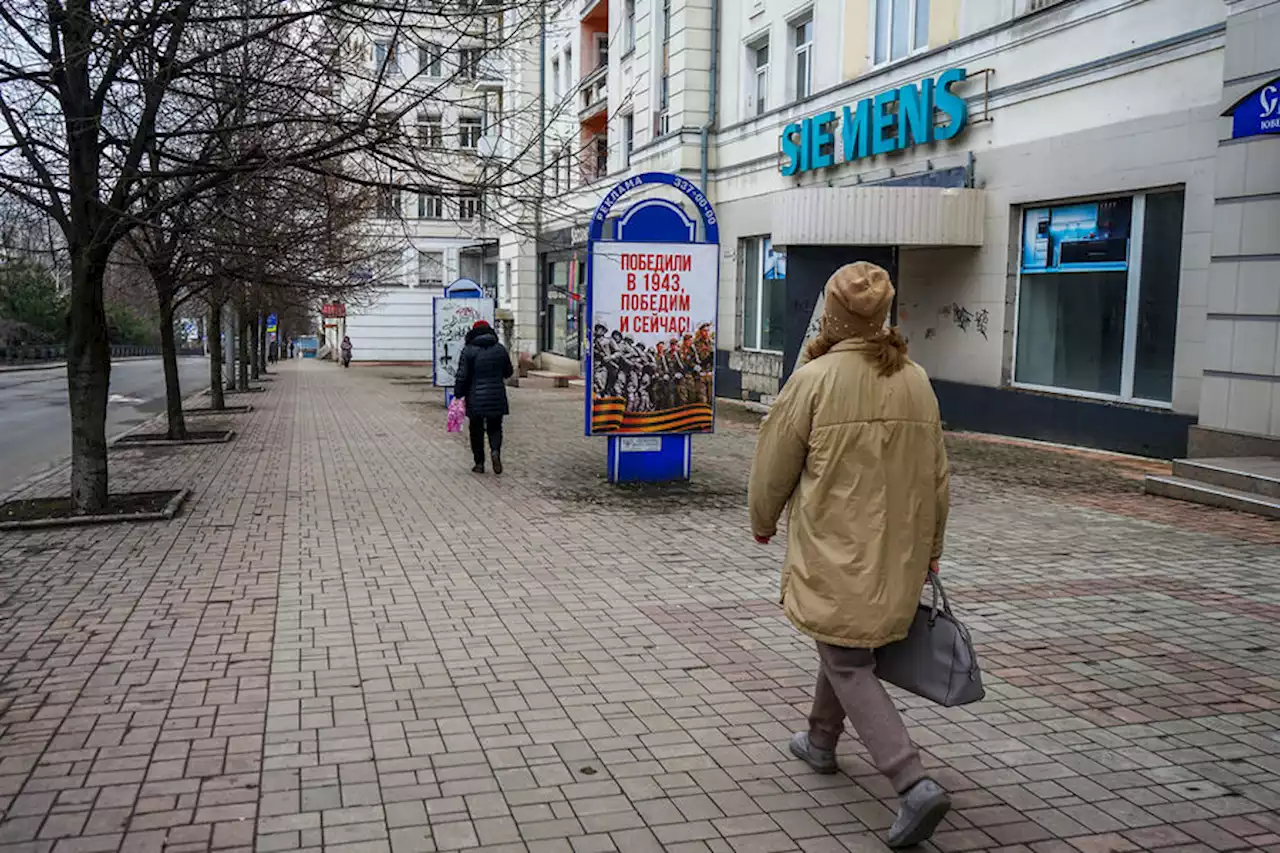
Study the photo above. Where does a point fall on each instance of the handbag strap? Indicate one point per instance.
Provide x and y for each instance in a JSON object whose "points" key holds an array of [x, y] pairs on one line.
{"points": [[939, 596]]}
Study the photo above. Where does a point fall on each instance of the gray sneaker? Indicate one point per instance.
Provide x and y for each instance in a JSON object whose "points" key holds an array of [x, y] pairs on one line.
{"points": [[821, 760], [922, 809]]}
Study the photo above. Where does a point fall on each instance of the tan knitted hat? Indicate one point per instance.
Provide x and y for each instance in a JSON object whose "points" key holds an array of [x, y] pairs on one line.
{"points": [[857, 302]]}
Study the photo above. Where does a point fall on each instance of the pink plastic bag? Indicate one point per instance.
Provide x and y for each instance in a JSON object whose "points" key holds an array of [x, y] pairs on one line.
{"points": [[457, 414]]}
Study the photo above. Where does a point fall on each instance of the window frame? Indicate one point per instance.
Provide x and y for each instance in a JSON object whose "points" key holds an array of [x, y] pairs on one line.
{"points": [[1133, 298], [628, 26], [431, 59], [913, 18], [474, 200], [432, 198], [628, 138], [764, 242], [472, 123], [801, 49], [390, 61], [430, 130], [425, 283], [758, 101]]}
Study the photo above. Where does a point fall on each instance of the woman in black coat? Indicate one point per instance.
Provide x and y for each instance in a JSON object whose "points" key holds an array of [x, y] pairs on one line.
{"points": [[483, 369]]}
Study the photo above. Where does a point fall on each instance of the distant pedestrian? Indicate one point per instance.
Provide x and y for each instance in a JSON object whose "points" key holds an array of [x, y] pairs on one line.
{"points": [[483, 369], [292, 347], [854, 444], [346, 351]]}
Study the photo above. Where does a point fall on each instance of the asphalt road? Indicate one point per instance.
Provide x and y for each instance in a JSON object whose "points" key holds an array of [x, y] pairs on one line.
{"points": [[35, 420]]}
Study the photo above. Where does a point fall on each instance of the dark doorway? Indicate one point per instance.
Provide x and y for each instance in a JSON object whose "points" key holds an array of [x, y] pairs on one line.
{"points": [[808, 268]]}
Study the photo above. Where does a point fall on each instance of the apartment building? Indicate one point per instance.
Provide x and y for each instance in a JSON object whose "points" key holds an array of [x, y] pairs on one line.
{"points": [[444, 75], [1078, 199]]}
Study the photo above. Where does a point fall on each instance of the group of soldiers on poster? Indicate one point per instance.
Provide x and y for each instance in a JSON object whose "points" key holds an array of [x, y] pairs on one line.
{"points": [[667, 375]]}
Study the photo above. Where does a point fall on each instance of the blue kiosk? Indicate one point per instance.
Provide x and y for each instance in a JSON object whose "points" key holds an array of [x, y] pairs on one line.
{"points": [[653, 275]]}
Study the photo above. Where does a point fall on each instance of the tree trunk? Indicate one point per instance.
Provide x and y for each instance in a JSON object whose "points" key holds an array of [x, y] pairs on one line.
{"points": [[217, 399], [169, 354], [242, 353], [230, 349], [88, 381], [255, 346]]}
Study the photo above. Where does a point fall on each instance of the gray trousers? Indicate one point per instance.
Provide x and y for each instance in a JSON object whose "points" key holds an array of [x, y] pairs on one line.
{"points": [[848, 687]]}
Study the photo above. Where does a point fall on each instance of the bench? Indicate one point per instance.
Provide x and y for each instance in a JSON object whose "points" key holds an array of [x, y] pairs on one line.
{"points": [[560, 380]]}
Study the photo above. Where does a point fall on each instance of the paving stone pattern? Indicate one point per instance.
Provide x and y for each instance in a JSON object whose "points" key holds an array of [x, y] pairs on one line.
{"points": [[348, 642]]}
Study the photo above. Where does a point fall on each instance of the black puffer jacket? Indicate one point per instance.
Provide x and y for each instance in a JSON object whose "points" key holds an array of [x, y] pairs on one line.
{"points": [[482, 371]]}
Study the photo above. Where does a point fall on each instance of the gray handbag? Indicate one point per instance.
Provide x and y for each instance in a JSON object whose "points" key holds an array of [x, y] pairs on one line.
{"points": [[936, 660]]}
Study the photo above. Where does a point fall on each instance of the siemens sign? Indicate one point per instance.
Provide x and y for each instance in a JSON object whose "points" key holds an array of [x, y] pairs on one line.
{"points": [[890, 121]]}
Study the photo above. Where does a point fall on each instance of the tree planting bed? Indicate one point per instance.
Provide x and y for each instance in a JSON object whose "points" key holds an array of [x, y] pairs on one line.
{"points": [[161, 439], [204, 411], [38, 513]]}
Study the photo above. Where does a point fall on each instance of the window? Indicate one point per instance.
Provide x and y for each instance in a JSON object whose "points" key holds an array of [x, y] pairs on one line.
{"points": [[665, 88], [628, 139], [901, 28], [802, 38], [430, 59], [763, 273], [628, 26], [470, 207], [470, 129], [758, 96], [556, 91], [469, 62], [601, 157], [388, 203], [385, 60], [602, 50], [430, 131], [1098, 297], [568, 69], [430, 269], [431, 204], [507, 275]]}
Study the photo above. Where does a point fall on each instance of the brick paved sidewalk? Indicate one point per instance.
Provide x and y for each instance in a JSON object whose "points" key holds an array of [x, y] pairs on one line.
{"points": [[348, 642]]}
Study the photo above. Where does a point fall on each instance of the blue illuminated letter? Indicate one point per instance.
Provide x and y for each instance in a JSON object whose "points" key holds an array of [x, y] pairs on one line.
{"points": [[882, 120], [952, 106], [790, 150], [822, 137], [915, 114], [856, 130]]}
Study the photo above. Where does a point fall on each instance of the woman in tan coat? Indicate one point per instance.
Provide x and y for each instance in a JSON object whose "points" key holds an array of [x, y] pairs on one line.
{"points": [[854, 444]]}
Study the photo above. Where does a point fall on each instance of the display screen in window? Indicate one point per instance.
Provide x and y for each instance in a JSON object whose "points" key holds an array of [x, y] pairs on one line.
{"points": [[1088, 237]]}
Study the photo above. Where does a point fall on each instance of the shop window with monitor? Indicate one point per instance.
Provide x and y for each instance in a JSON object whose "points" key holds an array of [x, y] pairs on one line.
{"points": [[430, 269], [1098, 297], [763, 273]]}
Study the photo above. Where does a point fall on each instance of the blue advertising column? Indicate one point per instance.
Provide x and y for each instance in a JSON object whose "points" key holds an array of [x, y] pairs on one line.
{"points": [[651, 321], [445, 344]]}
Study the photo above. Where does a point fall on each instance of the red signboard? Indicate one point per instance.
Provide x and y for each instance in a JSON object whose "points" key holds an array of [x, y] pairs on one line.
{"points": [[333, 309]]}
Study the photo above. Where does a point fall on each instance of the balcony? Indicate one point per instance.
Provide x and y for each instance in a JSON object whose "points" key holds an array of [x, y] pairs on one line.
{"points": [[594, 97], [589, 7]]}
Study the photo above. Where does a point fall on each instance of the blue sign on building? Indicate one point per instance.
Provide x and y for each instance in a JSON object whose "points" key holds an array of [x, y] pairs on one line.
{"points": [[1257, 113], [890, 121]]}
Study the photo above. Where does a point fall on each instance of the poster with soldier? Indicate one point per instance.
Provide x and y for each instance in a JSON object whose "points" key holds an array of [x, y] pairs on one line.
{"points": [[653, 338]]}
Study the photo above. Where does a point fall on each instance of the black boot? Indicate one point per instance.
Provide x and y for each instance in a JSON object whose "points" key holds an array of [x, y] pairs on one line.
{"points": [[497, 462], [478, 468]]}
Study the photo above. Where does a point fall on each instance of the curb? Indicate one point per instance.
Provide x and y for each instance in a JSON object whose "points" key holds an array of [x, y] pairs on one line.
{"points": [[62, 365], [167, 514]]}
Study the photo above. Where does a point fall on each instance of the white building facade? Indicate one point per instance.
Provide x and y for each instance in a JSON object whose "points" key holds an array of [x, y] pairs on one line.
{"points": [[1086, 248]]}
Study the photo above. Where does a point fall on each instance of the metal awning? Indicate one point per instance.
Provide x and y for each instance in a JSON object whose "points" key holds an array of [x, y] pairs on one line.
{"points": [[878, 216]]}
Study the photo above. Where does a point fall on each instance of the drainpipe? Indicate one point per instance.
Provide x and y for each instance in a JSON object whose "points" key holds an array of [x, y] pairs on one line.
{"points": [[715, 86]]}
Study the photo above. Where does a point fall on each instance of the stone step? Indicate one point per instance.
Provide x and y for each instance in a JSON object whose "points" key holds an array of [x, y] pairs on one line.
{"points": [[1180, 488], [1259, 475]]}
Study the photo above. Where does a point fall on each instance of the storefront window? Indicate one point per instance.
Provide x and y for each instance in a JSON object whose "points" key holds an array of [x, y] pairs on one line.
{"points": [[565, 304], [764, 274], [1098, 297]]}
